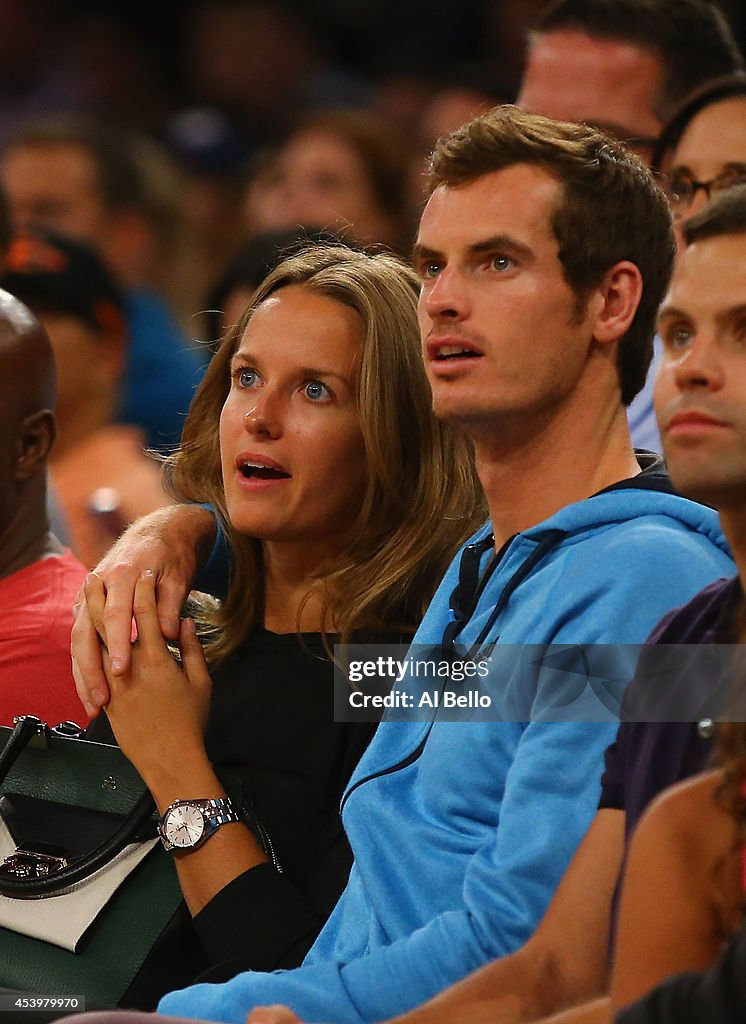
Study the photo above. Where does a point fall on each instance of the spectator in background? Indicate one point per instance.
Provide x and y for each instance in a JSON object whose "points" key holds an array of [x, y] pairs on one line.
{"points": [[124, 61], [244, 273], [446, 110], [505, 25], [114, 191], [626, 65], [211, 155], [261, 197], [56, 520], [259, 62], [342, 170], [39, 578], [702, 149], [101, 476], [38, 77]]}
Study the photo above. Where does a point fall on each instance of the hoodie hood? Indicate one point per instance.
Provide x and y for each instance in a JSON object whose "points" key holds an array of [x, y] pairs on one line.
{"points": [[575, 560], [649, 494]]}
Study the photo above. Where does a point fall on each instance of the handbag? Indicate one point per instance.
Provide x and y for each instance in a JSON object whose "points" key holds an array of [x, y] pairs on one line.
{"points": [[84, 824]]}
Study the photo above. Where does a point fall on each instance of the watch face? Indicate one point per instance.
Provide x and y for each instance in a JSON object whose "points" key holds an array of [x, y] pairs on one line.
{"points": [[184, 825]]}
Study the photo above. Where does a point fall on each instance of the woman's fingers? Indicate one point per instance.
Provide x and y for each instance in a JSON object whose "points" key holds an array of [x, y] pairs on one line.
{"points": [[146, 613], [170, 593], [192, 656]]}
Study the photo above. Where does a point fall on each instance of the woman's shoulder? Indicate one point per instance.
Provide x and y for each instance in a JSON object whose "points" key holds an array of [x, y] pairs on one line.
{"points": [[688, 817]]}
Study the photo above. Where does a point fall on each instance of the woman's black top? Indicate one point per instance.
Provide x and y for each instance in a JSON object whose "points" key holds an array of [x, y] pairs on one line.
{"points": [[714, 996], [272, 722]]}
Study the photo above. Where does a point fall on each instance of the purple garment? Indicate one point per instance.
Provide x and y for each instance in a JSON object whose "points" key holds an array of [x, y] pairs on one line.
{"points": [[648, 757]]}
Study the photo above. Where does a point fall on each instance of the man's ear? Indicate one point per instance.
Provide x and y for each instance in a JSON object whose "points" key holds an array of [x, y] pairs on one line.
{"points": [[36, 435], [617, 297]]}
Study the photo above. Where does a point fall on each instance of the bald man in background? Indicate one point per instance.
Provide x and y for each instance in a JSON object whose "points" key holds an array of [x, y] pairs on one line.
{"points": [[39, 578]]}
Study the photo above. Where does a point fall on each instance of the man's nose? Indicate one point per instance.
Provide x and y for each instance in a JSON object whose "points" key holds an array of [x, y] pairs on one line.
{"points": [[446, 295], [700, 366]]}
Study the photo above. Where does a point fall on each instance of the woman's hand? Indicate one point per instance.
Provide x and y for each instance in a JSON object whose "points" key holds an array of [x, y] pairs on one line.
{"points": [[158, 709], [169, 542]]}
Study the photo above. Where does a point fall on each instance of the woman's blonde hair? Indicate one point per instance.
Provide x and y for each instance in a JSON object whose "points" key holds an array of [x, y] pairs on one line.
{"points": [[731, 756], [421, 498], [730, 746]]}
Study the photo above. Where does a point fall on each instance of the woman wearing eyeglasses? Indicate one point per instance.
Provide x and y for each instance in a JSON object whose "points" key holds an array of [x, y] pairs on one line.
{"points": [[702, 150]]}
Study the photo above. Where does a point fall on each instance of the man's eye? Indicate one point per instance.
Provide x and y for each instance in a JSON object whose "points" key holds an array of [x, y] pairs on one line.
{"points": [[501, 263], [316, 391], [678, 337], [430, 269], [739, 331]]}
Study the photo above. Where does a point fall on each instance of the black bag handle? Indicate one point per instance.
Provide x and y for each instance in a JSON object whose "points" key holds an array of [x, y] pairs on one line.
{"points": [[82, 867]]}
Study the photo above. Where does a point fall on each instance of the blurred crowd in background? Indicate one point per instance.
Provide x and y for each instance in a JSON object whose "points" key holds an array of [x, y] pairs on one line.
{"points": [[217, 87]]}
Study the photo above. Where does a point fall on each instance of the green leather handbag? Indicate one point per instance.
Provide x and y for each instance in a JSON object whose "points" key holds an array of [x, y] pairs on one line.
{"points": [[72, 810]]}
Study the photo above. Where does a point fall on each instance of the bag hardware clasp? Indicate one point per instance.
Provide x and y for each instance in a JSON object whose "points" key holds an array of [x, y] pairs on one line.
{"points": [[30, 864]]}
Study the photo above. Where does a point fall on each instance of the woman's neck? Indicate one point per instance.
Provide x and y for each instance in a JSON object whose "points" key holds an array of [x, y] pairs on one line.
{"points": [[290, 573]]}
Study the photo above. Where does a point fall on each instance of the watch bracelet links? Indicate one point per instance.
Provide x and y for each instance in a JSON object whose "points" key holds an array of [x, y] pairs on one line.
{"points": [[220, 809]]}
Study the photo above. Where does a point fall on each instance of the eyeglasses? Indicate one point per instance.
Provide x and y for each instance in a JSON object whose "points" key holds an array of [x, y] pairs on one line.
{"points": [[682, 188]]}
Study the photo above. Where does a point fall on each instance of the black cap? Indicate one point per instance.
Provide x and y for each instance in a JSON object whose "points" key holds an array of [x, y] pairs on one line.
{"points": [[51, 272]]}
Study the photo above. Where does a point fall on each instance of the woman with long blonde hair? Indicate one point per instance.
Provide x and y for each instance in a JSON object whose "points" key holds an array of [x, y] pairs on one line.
{"points": [[343, 500]]}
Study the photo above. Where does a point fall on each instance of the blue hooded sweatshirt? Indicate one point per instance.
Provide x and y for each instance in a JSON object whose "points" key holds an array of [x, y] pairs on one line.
{"points": [[461, 830]]}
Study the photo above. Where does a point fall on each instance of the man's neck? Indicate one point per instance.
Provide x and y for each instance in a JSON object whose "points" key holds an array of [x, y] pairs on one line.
{"points": [[18, 552], [527, 482]]}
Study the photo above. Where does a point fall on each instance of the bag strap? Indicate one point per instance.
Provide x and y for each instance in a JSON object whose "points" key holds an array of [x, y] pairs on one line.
{"points": [[25, 728], [82, 867]]}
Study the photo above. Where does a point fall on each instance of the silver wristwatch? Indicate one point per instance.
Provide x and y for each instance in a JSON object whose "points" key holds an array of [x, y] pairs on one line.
{"points": [[186, 824]]}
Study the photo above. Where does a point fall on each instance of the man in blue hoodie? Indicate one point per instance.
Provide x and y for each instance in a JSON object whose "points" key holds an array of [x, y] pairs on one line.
{"points": [[544, 251], [700, 394]]}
